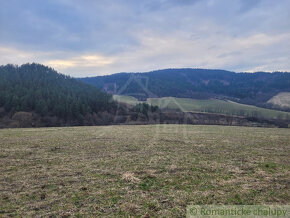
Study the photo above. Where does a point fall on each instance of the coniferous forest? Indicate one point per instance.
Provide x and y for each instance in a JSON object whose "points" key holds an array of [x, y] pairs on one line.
{"points": [[40, 89]]}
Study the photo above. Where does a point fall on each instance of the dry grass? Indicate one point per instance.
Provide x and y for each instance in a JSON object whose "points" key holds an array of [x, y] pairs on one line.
{"points": [[140, 170]]}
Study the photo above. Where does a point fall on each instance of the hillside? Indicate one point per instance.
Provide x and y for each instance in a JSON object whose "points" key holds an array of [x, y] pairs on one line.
{"points": [[39, 94], [250, 88], [208, 106], [282, 99]]}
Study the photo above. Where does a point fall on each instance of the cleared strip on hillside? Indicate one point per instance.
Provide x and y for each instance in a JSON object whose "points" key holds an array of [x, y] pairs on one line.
{"points": [[282, 99], [208, 106]]}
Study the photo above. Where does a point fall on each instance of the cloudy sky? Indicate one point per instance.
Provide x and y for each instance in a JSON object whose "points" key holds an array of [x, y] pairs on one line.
{"points": [[94, 37]]}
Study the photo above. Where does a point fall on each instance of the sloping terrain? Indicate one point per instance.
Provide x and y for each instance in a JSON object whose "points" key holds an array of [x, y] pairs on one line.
{"points": [[126, 99], [208, 106], [282, 99], [217, 106]]}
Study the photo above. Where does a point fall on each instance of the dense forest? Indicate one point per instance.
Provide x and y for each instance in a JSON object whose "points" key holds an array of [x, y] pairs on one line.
{"points": [[249, 88], [39, 89]]}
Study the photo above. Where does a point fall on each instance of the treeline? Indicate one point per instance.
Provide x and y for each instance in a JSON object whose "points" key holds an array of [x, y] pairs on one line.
{"points": [[40, 89]]}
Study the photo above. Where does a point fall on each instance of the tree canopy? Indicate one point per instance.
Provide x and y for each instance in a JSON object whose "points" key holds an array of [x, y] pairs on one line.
{"points": [[37, 88]]}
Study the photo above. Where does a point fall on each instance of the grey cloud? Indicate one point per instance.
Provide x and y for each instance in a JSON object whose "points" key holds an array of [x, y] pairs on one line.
{"points": [[133, 34]]}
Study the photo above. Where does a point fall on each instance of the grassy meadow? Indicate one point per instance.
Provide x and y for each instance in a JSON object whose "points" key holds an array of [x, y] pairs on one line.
{"points": [[151, 170], [208, 106]]}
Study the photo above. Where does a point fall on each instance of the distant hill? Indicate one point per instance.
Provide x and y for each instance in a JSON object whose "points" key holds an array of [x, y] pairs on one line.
{"points": [[39, 94], [250, 88]]}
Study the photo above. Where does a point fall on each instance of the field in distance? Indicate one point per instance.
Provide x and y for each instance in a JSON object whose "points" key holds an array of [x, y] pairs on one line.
{"points": [[208, 106], [282, 99], [153, 170]]}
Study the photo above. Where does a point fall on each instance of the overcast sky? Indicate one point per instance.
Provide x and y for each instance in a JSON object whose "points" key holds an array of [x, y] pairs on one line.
{"points": [[94, 37]]}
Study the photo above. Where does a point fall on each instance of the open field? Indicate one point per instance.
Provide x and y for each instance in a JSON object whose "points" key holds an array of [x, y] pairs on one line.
{"points": [[208, 106], [153, 170]]}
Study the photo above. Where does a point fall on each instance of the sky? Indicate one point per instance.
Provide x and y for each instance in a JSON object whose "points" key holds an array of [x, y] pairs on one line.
{"points": [[93, 37]]}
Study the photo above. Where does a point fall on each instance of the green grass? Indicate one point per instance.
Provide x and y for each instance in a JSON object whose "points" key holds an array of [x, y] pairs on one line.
{"points": [[137, 170], [209, 106]]}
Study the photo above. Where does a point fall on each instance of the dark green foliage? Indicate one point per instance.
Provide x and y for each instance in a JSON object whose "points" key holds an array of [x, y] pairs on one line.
{"points": [[36, 88], [144, 108], [249, 88]]}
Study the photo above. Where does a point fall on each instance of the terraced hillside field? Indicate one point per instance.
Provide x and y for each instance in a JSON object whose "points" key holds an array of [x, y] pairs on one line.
{"points": [[152, 170]]}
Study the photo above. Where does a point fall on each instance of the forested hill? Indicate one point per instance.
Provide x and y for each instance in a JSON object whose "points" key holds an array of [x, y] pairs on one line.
{"points": [[41, 90], [250, 88], [33, 95]]}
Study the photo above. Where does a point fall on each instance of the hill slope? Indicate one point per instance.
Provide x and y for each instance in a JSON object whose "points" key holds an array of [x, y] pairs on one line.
{"points": [[281, 100], [208, 106], [251, 88], [41, 90]]}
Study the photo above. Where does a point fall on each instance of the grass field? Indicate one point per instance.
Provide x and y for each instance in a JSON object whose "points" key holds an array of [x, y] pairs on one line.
{"points": [[152, 170], [208, 106]]}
